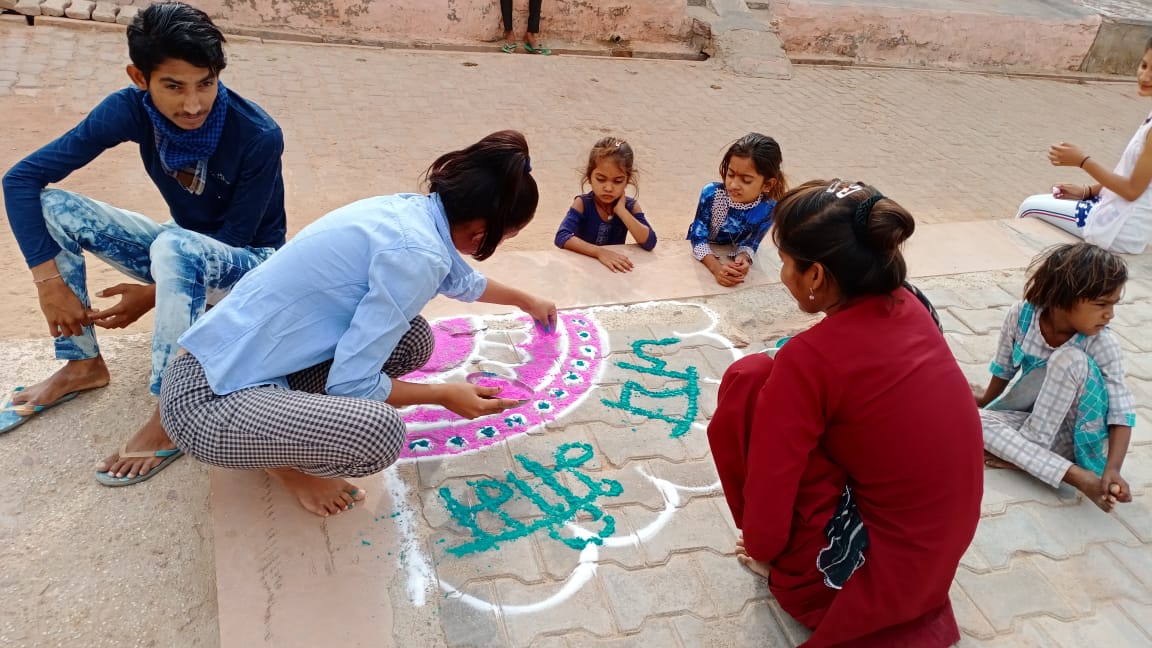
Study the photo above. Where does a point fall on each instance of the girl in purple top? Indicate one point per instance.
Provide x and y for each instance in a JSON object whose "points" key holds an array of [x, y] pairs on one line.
{"points": [[605, 216]]}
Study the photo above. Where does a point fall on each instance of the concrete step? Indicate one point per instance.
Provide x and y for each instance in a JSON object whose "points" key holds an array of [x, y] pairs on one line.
{"points": [[742, 40]]}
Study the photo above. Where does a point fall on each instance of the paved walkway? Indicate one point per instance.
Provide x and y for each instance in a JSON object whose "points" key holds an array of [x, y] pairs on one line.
{"points": [[148, 565]]}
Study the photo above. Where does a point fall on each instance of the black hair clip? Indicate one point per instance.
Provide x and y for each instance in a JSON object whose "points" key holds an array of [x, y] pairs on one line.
{"points": [[860, 220]]}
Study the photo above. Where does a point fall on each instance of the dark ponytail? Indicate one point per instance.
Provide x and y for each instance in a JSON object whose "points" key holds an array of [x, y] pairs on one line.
{"points": [[851, 229], [489, 181]]}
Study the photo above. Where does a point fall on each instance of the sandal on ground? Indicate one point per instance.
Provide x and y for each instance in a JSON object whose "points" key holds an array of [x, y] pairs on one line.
{"points": [[510, 48], [168, 455], [14, 415], [539, 49]]}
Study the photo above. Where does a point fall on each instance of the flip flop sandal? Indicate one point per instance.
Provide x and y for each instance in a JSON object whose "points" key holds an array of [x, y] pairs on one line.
{"points": [[168, 455], [13, 416], [510, 48], [539, 49]]}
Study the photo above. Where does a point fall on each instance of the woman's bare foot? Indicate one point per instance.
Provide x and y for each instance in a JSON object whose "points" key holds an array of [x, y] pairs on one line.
{"points": [[150, 437], [755, 566], [323, 496], [992, 461], [75, 375], [1089, 483]]}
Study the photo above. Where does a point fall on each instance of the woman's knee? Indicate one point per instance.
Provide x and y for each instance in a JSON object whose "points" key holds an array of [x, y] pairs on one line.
{"points": [[377, 443], [752, 368]]}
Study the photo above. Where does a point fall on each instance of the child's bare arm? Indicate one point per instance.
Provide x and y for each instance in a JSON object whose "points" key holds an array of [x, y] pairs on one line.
{"points": [[1119, 436], [996, 386], [1127, 187]]}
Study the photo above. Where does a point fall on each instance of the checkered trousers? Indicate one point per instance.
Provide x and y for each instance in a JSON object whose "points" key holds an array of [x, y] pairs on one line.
{"points": [[1034, 424], [302, 427]]}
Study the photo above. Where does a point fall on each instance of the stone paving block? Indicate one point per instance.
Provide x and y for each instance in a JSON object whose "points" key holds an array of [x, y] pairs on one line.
{"points": [[105, 12], [696, 525], [512, 559], [614, 374], [466, 626], [989, 296], [1139, 614], [793, 629], [542, 448], [638, 489], [7, 4], [593, 410], [28, 7], [619, 445], [1003, 488], [127, 14], [1088, 580], [1137, 560], [558, 559], [669, 589], [1109, 627], [696, 443], [54, 8], [80, 9], [982, 320], [620, 339], [755, 626], [1077, 527], [974, 561], [968, 616], [584, 610], [492, 462], [1142, 432], [1132, 341], [731, 586], [1000, 537], [657, 632], [1138, 365], [1138, 466], [960, 346], [1137, 516], [1025, 635], [1005, 596], [1133, 315], [719, 360], [951, 323]]}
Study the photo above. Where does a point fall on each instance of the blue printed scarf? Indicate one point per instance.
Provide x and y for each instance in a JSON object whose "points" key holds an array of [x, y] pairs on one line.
{"points": [[180, 149]]}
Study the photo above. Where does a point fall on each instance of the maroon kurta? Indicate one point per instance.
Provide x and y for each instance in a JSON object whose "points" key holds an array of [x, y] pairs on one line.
{"points": [[871, 397]]}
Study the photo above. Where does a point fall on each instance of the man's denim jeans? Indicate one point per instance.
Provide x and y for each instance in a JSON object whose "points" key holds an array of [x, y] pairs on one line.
{"points": [[189, 269]]}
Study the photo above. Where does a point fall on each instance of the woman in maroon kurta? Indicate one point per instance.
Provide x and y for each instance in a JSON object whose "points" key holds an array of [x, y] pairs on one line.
{"points": [[853, 461]]}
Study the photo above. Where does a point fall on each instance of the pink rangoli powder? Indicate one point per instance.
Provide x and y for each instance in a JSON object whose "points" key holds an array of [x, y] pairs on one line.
{"points": [[560, 368]]}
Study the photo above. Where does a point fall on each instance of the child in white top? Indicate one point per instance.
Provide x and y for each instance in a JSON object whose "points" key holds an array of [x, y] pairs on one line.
{"points": [[1115, 212]]}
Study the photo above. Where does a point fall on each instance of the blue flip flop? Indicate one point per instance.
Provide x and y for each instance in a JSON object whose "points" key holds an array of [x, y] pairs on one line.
{"points": [[168, 455], [11, 416]]}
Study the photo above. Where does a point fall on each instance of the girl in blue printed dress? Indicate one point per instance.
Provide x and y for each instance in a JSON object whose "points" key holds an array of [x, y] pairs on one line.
{"points": [[1069, 417], [738, 210], [605, 215]]}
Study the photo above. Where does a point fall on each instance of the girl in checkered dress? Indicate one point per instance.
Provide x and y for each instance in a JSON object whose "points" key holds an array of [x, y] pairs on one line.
{"points": [[1069, 417], [737, 211], [297, 371]]}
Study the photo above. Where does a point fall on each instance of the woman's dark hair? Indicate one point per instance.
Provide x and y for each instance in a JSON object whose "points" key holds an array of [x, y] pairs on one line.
{"points": [[1066, 274], [766, 157], [490, 181], [849, 228], [619, 151], [174, 30]]}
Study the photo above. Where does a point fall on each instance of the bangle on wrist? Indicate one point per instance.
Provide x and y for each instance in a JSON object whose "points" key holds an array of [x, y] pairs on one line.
{"points": [[47, 279], [1081, 165]]}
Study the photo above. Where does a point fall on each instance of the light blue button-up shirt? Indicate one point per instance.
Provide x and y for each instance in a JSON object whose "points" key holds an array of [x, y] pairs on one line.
{"points": [[343, 289]]}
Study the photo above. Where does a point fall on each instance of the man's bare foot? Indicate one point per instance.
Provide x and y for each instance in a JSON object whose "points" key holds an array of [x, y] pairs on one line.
{"points": [[992, 461], [75, 375], [323, 496], [1089, 483], [755, 566], [150, 437]]}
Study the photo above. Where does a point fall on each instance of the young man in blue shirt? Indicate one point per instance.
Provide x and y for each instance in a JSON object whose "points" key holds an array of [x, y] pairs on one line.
{"points": [[214, 156]]}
